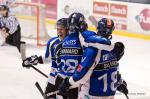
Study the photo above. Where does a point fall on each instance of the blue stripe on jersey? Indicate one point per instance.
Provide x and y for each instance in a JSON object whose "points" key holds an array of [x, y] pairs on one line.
{"points": [[49, 48], [87, 62]]}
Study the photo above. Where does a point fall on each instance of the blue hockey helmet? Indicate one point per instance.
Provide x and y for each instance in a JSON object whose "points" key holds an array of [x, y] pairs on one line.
{"points": [[77, 22], [105, 27]]}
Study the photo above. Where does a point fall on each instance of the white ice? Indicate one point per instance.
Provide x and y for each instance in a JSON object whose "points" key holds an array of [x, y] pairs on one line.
{"points": [[17, 82]]}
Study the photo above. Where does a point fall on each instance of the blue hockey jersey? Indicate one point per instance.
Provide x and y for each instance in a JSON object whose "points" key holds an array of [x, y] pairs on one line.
{"points": [[99, 66], [50, 54], [70, 55], [103, 81]]}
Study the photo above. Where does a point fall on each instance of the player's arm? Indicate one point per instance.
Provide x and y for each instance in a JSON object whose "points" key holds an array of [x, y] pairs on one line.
{"points": [[48, 57], [85, 68], [91, 39], [119, 50], [50, 51], [34, 60]]}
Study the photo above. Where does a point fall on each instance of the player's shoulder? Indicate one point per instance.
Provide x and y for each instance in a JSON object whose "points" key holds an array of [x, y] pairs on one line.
{"points": [[92, 37], [53, 40], [88, 33]]}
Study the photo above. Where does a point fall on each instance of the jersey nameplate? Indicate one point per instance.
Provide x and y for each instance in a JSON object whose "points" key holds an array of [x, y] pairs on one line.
{"points": [[71, 51], [107, 65]]}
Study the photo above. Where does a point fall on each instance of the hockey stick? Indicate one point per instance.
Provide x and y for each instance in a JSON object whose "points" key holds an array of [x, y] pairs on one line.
{"points": [[39, 71], [36, 83], [56, 92], [127, 96], [39, 88]]}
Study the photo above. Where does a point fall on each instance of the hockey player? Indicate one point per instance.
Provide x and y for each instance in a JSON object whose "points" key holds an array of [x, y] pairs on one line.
{"points": [[53, 80], [98, 70], [70, 56]]}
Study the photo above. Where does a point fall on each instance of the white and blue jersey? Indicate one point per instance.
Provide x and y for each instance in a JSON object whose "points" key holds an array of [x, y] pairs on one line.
{"points": [[103, 81], [50, 54], [98, 67], [70, 55]]}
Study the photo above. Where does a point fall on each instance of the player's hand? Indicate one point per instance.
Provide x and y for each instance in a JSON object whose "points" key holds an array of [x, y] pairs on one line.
{"points": [[119, 49], [64, 87], [119, 46], [28, 62], [123, 88], [58, 80]]}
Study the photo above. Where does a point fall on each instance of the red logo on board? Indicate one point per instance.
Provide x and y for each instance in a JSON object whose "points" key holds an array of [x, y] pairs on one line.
{"points": [[144, 19]]}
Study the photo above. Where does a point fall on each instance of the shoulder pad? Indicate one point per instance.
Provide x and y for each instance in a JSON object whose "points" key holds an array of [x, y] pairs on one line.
{"points": [[98, 39], [87, 34], [52, 40]]}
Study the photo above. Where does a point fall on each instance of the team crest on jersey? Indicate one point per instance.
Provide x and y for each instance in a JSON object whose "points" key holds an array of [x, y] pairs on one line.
{"points": [[107, 56]]}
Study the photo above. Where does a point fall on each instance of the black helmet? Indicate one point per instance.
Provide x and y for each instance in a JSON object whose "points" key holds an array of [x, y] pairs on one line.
{"points": [[77, 22], [63, 22], [105, 27], [4, 7]]}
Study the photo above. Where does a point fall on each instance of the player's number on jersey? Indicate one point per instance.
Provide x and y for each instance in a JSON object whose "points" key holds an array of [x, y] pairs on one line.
{"points": [[113, 78], [69, 65]]}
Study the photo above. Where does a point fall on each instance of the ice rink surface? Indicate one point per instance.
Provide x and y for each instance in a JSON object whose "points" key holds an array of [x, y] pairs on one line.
{"points": [[17, 82]]}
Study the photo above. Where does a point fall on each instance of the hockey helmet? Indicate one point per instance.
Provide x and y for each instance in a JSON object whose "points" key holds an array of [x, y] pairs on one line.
{"points": [[77, 22], [105, 28], [62, 22]]}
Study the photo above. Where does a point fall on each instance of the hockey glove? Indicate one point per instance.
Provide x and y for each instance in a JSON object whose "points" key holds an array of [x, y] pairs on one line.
{"points": [[123, 88], [119, 49], [33, 60], [58, 80], [64, 87]]}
